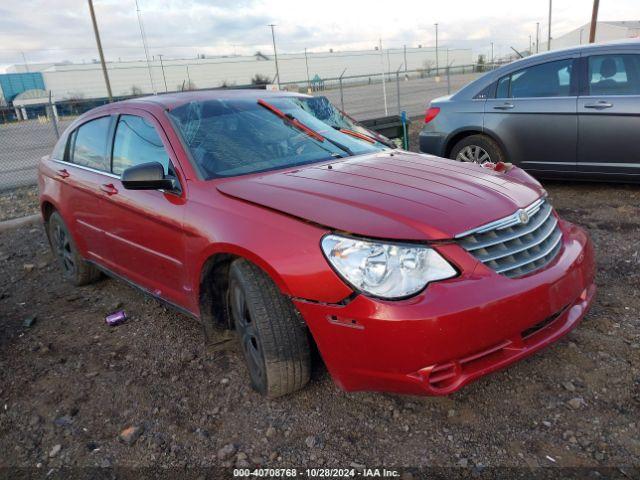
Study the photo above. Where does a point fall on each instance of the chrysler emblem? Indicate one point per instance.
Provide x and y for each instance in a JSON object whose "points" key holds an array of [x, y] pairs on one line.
{"points": [[523, 217]]}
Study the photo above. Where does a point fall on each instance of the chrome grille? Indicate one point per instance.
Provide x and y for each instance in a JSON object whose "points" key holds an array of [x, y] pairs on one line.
{"points": [[515, 248]]}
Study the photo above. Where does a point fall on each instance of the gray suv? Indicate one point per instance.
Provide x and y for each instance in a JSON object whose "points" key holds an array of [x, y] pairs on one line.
{"points": [[571, 113]]}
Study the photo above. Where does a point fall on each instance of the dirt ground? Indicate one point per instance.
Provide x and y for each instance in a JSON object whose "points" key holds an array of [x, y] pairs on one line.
{"points": [[18, 202], [69, 384]]}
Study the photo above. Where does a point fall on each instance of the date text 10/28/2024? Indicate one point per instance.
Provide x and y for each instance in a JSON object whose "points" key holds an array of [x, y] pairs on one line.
{"points": [[316, 472]]}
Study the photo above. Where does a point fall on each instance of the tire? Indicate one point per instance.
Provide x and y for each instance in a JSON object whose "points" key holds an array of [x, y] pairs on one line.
{"points": [[477, 143], [272, 336], [74, 268]]}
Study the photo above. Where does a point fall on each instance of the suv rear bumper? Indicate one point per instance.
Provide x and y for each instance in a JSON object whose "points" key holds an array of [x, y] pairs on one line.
{"points": [[456, 330]]}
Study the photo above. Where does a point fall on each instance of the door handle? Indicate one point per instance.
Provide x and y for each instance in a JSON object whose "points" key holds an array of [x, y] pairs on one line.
{"points": [[504, 106], [599, 105], [63, 173], [109, 189]]}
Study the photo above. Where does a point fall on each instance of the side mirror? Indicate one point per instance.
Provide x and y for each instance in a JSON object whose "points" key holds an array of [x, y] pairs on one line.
{"points": [[147, 176]]}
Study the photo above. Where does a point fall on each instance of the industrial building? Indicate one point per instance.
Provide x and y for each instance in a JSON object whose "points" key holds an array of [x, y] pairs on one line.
{"points": [[85, 81]]}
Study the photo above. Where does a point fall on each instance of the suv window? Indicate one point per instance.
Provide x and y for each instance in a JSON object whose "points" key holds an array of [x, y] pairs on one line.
{"points": [[90, 144], [614, 75], [137, 142], [551, 79]]}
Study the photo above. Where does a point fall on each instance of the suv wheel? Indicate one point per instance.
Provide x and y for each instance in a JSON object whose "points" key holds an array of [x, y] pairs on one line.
{"points": [[74, 268], [272, 335], [477, 149]]}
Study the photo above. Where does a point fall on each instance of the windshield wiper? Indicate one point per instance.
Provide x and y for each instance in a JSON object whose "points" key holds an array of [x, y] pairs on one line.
{"points": [[358, 135], [293, 121]]}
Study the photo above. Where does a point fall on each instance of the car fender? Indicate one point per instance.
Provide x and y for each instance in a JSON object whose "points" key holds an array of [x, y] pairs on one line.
{"points": [[285, 247]]}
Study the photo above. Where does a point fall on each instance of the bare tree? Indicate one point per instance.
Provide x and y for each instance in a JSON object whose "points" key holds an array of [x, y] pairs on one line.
{"points": [[260, 79]]}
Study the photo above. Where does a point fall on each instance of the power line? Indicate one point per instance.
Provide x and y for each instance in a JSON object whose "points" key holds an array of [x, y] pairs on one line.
{"points": [[144, 45]]}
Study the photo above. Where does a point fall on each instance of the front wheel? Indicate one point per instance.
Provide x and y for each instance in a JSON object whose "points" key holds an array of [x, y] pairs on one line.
{"points": [[272, 336], [477, 149]]}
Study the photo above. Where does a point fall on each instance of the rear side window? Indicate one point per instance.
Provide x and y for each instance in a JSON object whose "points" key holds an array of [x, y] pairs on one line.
{"points": [[551, 79], [614, 75], [90, 144], [137, 142]]}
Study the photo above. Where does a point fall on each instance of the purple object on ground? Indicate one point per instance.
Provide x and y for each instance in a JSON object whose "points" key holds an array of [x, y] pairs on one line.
{"points": [[116, 318]]}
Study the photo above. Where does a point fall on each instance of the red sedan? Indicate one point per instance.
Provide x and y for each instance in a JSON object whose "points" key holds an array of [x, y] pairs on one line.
{"points": [[269, 214]]}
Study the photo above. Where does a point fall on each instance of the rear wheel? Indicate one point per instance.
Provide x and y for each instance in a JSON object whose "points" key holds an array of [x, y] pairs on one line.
{"points": [[272, 336], [477, 149], [74, 268]]}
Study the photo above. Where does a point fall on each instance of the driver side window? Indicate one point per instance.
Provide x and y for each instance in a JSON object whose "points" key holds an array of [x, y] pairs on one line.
{"points": [[137, 142]]}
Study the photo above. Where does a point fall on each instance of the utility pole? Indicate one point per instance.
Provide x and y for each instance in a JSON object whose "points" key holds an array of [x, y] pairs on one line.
{"points": [[104, 65], [537, 37], [384, 85], [549, 33], [436, 48], [594, 21], [163, 76], [275, 54], [306, 59], [530, 50], [145, 47]]}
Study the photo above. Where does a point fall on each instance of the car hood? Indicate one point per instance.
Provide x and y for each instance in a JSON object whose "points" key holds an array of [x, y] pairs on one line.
{"points": [[399, 195]]}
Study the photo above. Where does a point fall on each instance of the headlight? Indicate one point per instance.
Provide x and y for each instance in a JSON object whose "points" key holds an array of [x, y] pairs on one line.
{"points": [[385, 270]]}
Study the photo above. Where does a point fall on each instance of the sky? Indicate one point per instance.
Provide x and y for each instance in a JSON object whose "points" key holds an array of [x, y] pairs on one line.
{"points": [[59, 30]]}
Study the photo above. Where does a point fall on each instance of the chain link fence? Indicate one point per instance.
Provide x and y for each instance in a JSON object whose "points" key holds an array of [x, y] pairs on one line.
{"points": [[29, 132], [365, 96]]}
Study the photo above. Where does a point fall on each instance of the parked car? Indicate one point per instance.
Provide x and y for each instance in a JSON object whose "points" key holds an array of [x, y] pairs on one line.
{"points": [[563, 114], [241, 209]]}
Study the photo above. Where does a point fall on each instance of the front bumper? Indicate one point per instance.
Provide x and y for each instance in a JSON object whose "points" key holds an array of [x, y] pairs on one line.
{"points": [[456, 330]]}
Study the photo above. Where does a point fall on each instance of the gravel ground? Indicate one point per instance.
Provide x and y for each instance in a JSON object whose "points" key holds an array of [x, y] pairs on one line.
{"points": [[70, 385], [18, 202]]}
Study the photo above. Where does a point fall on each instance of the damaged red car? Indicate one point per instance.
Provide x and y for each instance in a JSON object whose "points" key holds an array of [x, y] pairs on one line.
{"points": [[275, 215]]}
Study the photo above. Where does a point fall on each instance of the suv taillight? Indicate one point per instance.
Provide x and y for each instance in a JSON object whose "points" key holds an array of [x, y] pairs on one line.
{"points": [[432, 112]]}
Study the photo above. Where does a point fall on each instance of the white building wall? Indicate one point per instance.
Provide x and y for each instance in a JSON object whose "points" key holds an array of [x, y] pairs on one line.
{"points": [[605, 32], [86, 80]]}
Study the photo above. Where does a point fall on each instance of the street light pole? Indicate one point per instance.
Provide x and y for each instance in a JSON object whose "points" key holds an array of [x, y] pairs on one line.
{"points": [[537, 37], [163, 76], [99, 43], [275, 54], [306, 59], [384, 84], [436, 48], [405, 59], [26, 65], [549, 33], [492, 56]]}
